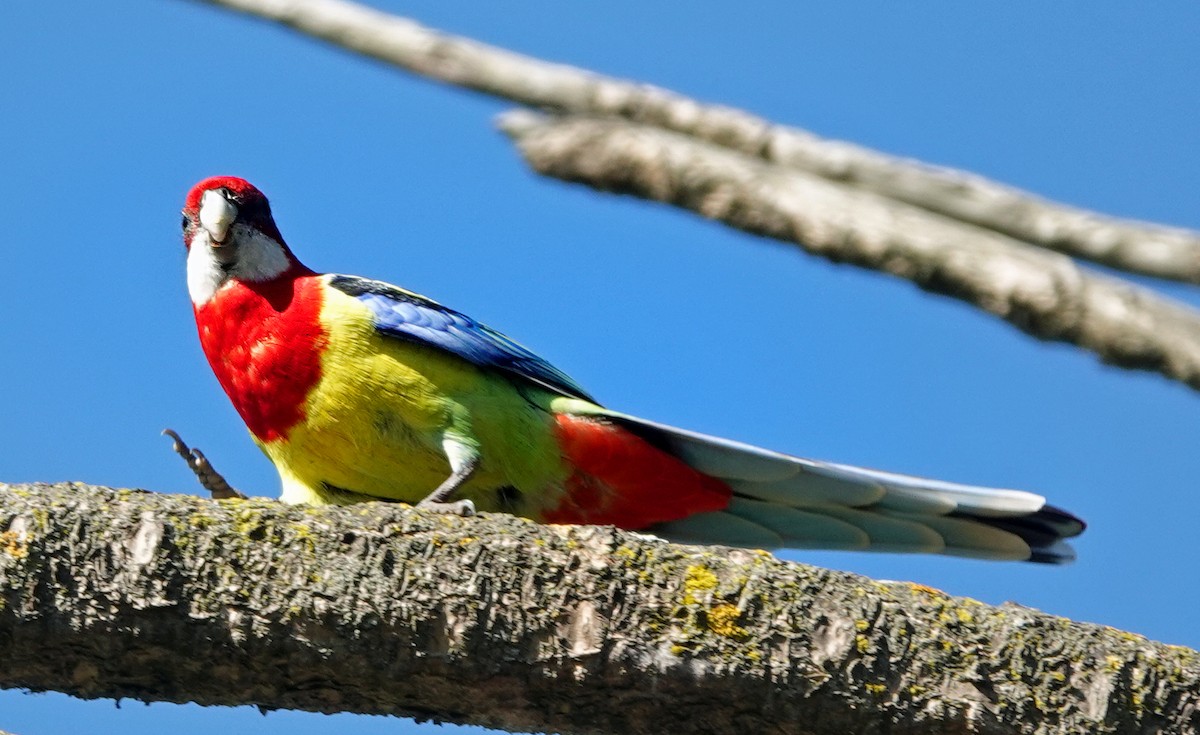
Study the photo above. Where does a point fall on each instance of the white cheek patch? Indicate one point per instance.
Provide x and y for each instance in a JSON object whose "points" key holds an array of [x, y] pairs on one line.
{"points": [[204, 273], [259, 258]]}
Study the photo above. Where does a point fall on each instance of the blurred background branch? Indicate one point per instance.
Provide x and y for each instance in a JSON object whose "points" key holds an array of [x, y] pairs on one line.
{"points": [[948, 231]]}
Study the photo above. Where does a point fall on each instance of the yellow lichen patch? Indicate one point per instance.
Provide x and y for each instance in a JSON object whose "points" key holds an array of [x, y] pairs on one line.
{"points": [[699, 579], [199, 520], [249, 522], [14, 544], [624, 552], [304, 535], [862, 643], [926, 590], [877, 689], [955, 616], [1129, 637], [861, 625], [722, 620]]}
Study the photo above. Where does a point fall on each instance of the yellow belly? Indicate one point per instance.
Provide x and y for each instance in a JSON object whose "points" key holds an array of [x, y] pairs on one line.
{"points": [[375, 423]]}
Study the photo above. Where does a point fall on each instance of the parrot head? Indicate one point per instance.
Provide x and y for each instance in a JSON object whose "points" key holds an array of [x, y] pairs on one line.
{"points": [[230, 235]]}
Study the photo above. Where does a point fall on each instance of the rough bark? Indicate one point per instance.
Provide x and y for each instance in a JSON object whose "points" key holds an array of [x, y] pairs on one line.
{"points": [[498, 621], [1045, 294], [1137, 247]]}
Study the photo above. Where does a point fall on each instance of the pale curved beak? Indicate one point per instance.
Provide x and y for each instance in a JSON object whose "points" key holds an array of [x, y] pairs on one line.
{"points": [[217, 215]]}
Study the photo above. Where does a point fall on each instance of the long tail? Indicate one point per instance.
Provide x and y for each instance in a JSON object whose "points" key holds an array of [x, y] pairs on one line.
{"points": [[690, 487]]}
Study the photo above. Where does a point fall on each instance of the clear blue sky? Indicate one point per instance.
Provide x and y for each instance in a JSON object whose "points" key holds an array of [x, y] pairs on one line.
{"points": [[112, 110]]}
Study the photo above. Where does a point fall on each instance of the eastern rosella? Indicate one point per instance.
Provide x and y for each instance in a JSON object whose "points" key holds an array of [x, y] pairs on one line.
{"points": [[358, 390]]}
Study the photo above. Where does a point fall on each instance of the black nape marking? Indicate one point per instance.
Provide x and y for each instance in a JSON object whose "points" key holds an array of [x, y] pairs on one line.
{"points": [[355, 286]]}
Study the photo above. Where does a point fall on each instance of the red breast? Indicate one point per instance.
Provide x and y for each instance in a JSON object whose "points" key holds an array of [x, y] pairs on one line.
{"points": [[264, 343]]}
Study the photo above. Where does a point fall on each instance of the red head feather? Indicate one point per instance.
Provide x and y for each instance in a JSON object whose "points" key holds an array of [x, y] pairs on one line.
{"points": [[252, 204]]}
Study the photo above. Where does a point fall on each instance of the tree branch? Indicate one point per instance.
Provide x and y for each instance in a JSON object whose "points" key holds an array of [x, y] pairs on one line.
{"points": [[376, 608], [949, 232], [1137, 247], [1045, 294]]}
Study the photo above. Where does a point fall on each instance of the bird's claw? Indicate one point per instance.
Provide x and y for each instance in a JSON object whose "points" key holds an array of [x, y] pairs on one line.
{"points": [[209, 478], [464, 508]]}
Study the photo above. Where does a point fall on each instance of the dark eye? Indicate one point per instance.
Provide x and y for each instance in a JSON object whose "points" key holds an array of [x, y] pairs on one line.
{"points": [[184, 223]]}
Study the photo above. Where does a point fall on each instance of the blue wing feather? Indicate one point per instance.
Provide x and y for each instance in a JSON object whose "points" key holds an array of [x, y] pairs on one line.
{"points": [[405, 315]]}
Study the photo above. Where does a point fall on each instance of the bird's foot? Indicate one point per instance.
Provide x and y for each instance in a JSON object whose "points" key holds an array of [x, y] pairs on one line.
{"points": [[457, 508], [439, 501], [212, 480]]}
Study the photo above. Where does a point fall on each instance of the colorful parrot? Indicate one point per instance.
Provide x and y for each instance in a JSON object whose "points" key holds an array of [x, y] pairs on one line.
{"points": [[358, 390]]}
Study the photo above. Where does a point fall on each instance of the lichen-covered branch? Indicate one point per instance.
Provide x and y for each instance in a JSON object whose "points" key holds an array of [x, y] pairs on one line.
{"points": [[498, 621], [1138, 247], [1045, 294]]}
